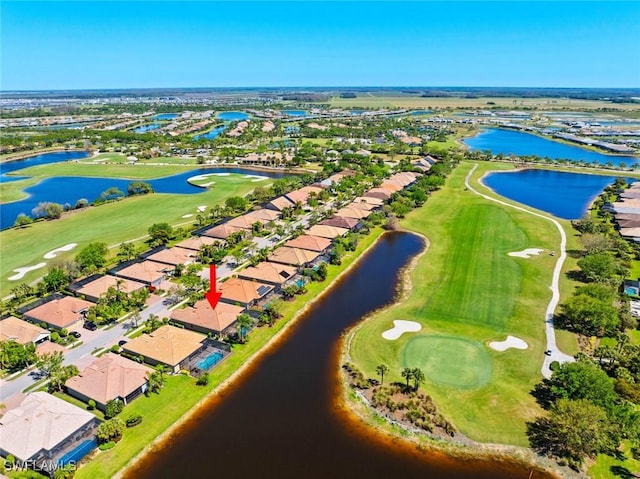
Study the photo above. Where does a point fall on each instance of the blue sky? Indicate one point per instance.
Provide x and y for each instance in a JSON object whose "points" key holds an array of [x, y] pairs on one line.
{"points": [[68, 45]]}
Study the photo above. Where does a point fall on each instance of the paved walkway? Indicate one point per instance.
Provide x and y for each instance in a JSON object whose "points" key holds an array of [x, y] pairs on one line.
{"points": [[556, 354]]}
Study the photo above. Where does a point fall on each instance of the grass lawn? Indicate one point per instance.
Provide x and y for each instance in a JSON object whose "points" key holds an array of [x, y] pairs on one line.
{"points": [[180, 394], [111, 223], [467, 292], [607, 467]]}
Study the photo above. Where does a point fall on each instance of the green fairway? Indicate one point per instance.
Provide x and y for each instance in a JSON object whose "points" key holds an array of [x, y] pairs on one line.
{"points": [[466, 292], [111, 223], [449, 360]]}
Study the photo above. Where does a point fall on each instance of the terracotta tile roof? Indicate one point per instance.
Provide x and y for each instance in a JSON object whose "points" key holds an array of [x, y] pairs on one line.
{"points": [[309, 242], [245, 221], [369, 200], [61, 313], [361, 205], [340, 222], [196, 242], [222, 231], [48, 347], [391, 186], [167, 344], [99, 286], [20, 331], [280, 203], [41, 421], [202, 315], [356, 213], [378, 193], [325, 231], [243, 291], [145, 271], [273, 273], [302, 194], [293, 256], [109, 377], [174, 256], [264, 214]]}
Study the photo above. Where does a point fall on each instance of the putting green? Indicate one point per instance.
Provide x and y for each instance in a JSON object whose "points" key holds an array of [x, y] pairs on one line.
{"points": [[449, 360]]}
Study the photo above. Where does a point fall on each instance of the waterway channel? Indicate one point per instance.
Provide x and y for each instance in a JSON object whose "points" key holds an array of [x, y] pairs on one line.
{"points": [[279, 420]]}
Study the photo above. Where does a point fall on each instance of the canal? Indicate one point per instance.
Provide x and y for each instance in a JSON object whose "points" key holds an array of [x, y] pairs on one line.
{"points": [[279, 419]]}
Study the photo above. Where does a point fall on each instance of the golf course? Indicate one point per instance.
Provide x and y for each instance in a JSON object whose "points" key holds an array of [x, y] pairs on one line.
{"points": [[465, 292]]}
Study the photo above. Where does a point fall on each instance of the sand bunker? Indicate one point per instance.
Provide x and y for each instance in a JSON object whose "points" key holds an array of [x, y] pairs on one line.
{"points": [[197, 178], [201, 208], [53, 253], [220, 174], [401, 326], [510, 342], [20, 272], [187, 216], [259, 179], [526, 253]]}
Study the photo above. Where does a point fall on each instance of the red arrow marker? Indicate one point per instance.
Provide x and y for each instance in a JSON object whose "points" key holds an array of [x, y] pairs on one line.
{"points": [[212, 296]]}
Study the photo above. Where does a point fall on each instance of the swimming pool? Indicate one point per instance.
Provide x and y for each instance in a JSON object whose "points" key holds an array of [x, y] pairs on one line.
{"points": [[81, 450], [209, 361]]}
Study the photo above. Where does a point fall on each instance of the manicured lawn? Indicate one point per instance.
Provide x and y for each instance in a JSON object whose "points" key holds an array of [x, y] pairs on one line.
{"points": [[607, 467], [180, 394], [465, 293], [111, 223]]}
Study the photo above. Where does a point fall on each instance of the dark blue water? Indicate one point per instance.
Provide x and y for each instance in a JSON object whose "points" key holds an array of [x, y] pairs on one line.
{"points": [[166, 116], [46, 158], [421, 112], [149, 127], [518, 143], [69, 189], [232, 115], [356, 112], [211, 134], [565, 195], [295, 112]]}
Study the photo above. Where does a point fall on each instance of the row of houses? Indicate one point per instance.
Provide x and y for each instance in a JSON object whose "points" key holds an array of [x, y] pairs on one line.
{"points": [[627, 212]]}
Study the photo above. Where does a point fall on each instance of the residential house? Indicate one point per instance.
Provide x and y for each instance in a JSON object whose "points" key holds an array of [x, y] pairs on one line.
{"points": [[167, 345], [379, 193], [59, 312], [203, 319], [293, 256], [302, 195], [340, 222], [269, 273], [195, 243], [243, 292], [310, 242], [264, 215], [174, 256], [369, 200], [222, 231], [325, 231], [96, 286], [149, 272], [279, 203], [40, 429], [356, 213], [108, 377], [22, 332]]}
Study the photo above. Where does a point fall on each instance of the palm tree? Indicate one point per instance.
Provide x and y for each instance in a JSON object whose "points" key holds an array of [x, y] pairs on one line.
{"points": [[382, 369], [418, 377], [407, 373], [243, 324]]}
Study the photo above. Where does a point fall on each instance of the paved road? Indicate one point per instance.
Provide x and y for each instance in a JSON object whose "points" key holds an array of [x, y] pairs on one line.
{"points": [[556, 354], [81, 356]]}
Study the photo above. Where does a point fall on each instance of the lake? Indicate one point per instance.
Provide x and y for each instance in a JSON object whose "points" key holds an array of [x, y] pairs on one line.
{"points": [[519, 143], [146, 128], [563, 194], [44, 159], [295, 112], [69, 189], [280, 421], [210, 135], [165, 116], [232, 115]]}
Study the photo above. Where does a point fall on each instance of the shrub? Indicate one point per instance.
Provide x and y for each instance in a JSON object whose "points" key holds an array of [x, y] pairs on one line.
{"points": [[114, 407], [110, 430], [106, 446], [55, 337], [203, 379], [91, 405], [133, 420], [115, 348]]}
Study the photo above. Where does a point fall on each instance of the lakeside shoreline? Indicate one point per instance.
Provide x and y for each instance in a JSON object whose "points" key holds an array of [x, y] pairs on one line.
{"points": [[273, 342]]}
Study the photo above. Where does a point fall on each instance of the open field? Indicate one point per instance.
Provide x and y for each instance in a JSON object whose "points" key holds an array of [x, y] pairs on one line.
{"points": [[180, 394], [111, 223], [371, 101], [467, 292]]}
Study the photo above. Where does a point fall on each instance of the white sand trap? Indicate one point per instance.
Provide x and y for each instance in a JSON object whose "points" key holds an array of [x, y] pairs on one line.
{"points": [[197, 178], [187, 216], [53, 253], [201, 208], [526, 253], [208, 184], [510, 342], [401, 326], [262, 178], [20, 272], [220, 174]]}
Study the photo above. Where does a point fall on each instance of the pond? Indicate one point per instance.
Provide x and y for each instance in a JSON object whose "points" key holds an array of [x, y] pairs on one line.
{"points": [[210, 135], [563, 194], [280, 419], [232, 115], [44, 159], [165, 116], [69, 189], [146, 128], [300, 113], [519, 143]]}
